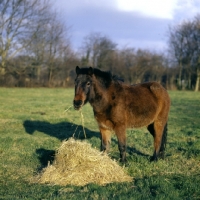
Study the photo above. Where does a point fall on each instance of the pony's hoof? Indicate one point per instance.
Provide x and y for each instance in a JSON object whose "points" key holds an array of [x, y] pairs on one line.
{"points": [[153, 159], [162, 155], [124, 163]]}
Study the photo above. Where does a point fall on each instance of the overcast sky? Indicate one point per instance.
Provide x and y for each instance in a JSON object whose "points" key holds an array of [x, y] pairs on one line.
{"points": [[128, 23]]}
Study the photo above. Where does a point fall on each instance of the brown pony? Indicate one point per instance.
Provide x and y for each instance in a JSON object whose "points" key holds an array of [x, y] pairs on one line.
{"points": [[118, 106]]}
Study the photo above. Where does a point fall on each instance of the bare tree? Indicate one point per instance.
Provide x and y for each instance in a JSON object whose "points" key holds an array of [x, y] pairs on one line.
{"points": [[196, 51], [99, 49], [184, 44], [49, 45], [176, 49], [19, 21], [127, 60]]}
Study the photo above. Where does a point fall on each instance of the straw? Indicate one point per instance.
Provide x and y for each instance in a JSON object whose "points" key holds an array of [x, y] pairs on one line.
{"points": [[77, 163]]}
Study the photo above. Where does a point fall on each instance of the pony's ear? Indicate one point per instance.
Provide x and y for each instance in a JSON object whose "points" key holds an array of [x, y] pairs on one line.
{"points": [[90, 71], [77, 70]]}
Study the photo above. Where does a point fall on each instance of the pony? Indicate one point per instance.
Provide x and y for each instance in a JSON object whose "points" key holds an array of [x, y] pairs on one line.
{"points": [[118, 106]]}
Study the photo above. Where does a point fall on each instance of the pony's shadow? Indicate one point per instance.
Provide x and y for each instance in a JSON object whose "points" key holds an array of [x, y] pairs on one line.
{"points": [[132, 151], [45, 157], [62, 130]]}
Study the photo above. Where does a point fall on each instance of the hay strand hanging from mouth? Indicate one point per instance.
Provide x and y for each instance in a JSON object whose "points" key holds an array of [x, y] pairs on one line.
{"points": [[77, 163], [82, 121]]}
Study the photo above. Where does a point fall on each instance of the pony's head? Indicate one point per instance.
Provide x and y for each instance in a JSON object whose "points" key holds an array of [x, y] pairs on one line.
{"points": [[83, 84]]}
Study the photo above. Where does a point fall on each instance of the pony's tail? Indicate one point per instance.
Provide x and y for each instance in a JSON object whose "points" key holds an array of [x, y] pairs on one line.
{"points": [[163, 143]]}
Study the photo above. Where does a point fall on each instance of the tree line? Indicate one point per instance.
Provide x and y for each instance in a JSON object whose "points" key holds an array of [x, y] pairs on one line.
{"points": [[35, 51]]}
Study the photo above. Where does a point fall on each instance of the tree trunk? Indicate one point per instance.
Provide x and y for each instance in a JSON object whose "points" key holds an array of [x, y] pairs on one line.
{"points": [[50, 77], [189, 81], [38, 73], [180, 76], [197, 80]]}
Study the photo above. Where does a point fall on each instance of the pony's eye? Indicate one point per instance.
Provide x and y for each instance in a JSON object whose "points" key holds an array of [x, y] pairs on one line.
{"points": [[88, 84]]}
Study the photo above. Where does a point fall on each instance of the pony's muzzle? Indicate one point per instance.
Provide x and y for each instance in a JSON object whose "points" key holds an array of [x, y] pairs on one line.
{"points": [[77, 104]]}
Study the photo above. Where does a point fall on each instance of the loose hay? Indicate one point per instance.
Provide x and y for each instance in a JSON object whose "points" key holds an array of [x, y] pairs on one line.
{"points": [[77, 163]]}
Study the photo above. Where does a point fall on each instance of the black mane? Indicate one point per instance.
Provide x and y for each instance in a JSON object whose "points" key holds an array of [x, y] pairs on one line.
{"points": [[105, 77]]}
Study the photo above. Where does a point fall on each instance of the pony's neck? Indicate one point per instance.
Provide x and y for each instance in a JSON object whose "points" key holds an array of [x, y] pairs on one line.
{"points": [[98, 95]]}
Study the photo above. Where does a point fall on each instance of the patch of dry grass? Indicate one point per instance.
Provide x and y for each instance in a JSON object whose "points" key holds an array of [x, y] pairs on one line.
{"points": [[77, 163]]}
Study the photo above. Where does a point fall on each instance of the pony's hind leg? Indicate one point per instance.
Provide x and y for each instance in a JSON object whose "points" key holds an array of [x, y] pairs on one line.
{"points": [[163, 143], [156, 130]]}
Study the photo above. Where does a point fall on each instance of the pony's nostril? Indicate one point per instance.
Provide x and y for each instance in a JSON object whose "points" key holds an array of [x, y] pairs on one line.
{"points": [[77, 104]]}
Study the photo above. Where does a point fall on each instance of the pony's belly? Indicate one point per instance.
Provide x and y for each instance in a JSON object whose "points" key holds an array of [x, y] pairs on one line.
{"points": [[139, 123]]}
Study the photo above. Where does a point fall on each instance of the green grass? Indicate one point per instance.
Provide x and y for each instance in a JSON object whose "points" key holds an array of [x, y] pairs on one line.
{"points": [[33, 122]]}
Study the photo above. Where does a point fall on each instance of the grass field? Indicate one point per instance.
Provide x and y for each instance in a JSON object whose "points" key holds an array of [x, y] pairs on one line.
{"points": [[33, 122]]}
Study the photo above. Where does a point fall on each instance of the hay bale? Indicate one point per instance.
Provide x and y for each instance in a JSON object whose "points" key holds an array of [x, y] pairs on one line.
{"points": [[77, 163]]}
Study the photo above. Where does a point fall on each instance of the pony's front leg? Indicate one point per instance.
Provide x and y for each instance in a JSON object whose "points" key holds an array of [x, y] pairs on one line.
{"points": [[105, 139], [121, 136]]}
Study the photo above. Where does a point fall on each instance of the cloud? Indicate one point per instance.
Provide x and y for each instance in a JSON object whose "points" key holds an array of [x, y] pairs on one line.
{"points": [[133, 23], [76, 6], [186, 9], [118, 26], [153, 8]]}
